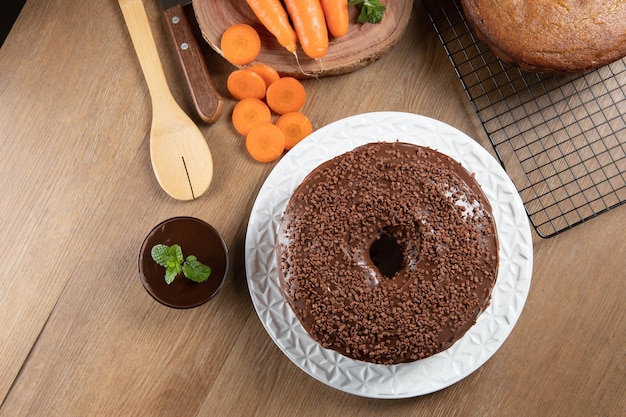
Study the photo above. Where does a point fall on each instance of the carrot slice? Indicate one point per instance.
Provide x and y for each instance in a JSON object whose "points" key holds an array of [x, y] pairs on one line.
{"points": [[269, 74], [244, 83], [286, 95], [296, 127], [240, 44], [265, 142], [248, 112]]}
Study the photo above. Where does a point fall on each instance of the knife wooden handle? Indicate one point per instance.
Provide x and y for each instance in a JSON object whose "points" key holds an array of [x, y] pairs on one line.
{"points": [[207, 100]]}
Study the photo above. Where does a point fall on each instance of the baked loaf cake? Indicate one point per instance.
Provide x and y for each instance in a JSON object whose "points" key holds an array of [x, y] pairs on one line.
{"points": [[551, 35], [388, 253]]}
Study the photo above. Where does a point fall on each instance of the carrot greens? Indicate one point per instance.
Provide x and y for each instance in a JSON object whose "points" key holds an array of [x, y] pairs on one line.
{"points": [[372, 11]]}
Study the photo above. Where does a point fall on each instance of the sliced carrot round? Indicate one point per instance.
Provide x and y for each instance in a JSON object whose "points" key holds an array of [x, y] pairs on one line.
{"points": [[265, 142], [286, 95], [248, 112], [244, 83], [296, 126], [268, 73], [240, 44]]}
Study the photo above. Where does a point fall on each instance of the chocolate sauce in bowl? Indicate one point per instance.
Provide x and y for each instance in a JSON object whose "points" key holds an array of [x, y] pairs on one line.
{"points": [[195, 237]]}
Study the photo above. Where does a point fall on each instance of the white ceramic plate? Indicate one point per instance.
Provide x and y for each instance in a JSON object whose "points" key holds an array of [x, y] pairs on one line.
{"points": [[426, 375]]}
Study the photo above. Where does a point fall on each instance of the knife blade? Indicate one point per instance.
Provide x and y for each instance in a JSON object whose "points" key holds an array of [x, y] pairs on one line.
{"points": [[207, 101]]}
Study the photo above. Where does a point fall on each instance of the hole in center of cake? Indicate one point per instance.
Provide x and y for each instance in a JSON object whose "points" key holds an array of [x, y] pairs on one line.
{"points": [[386, 254]]}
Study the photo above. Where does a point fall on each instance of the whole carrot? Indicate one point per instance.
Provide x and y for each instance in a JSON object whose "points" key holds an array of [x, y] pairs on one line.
{"points": [[308, 21], [336, 14], [273, 16]]}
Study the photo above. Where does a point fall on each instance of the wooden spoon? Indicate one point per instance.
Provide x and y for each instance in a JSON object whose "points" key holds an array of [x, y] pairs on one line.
{"points": [[180, 155]]}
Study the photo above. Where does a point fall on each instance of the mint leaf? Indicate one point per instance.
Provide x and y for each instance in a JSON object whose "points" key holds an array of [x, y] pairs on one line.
{"points": [[170, 257], [196, 270], [171, 272], [167, 256], [160, 254]]}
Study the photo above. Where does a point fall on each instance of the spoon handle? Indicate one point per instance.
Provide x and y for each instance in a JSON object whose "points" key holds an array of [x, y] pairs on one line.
{"points": [[145, 47]]}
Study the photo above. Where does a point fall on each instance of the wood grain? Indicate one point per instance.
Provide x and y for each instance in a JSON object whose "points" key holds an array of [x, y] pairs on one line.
{"points": [[79, 336], [363, 44]]}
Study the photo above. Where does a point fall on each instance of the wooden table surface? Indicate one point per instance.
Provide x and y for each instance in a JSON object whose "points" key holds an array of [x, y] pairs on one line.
{"points": [[79, 336]]}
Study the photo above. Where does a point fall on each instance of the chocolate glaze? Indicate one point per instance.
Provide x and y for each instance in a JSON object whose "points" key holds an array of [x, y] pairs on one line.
{"points": [[195, 237], [392, 197]]}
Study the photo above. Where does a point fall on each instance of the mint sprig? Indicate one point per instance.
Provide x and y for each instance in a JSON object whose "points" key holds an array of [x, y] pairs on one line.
{"points": [[171, 258]]}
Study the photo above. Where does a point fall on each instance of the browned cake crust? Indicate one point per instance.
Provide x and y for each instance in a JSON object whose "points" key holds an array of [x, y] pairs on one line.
{"points": [[551, 35], [388, 253]]}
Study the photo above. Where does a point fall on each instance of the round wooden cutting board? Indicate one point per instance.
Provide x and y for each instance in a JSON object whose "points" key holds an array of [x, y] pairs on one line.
{"points": [[363, 44]]}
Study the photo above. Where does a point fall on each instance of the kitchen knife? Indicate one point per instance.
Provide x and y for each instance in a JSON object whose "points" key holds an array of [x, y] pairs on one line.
{"points": [[206, 99]]}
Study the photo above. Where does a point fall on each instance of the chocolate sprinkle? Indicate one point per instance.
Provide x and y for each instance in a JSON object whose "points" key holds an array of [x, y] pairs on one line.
{"points": [[407, 199]]}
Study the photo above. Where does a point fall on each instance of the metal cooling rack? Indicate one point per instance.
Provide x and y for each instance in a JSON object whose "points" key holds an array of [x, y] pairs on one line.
{"points": [[562, 139]]}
